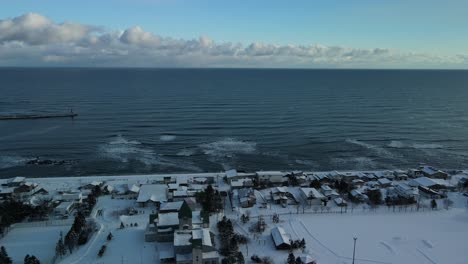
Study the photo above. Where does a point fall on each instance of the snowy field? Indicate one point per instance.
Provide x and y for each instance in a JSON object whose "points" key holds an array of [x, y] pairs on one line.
{"points": [[413, 238], [38, 241]]}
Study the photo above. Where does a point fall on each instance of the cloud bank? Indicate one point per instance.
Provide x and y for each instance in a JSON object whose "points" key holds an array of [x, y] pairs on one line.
{"points": [[35, 40]]}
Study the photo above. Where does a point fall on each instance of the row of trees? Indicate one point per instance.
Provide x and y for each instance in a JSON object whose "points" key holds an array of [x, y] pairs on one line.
{"points": [[77, 235], [12, 211], [293, 260], [5, 259]]}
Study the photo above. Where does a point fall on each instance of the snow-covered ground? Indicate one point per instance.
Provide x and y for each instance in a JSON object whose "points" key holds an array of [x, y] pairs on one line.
{"points": [[37, 241], [382, 237]]}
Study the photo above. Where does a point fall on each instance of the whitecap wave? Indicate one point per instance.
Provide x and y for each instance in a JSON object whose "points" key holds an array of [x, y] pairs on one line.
{"points": [[186, 152], [121, 149], [396, 144], [167, 137], [305, 162], [12, 161], [356, 163], [399, 144], [377, 149], [228, 147]]}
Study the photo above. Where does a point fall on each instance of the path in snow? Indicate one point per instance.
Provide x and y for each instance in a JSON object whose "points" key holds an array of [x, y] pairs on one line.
{"points": [[426, 256], [387, 246], [427, 243]]}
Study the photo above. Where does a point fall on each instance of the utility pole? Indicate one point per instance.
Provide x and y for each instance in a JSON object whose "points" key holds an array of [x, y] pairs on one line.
{"points": [[354, 249]]}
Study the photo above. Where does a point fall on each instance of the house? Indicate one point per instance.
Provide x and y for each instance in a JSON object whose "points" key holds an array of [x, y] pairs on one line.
{"points": [[241, 183], [415, 173], [428, 193], [340, 202], [246, 197], [404, 190], [400, 175], [195, 247], [358, 196], [329, 192], [279, 195], [384, 182], [430, 172], [152, 194], [71, 197], [436, 184], [312, 196], [6, 193], [92, 185], [270, 177], [64, 208], [175, 216], [307, 259], [280, 238], [15, 182]]}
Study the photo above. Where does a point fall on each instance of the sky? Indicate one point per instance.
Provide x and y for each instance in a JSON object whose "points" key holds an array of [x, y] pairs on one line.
{"points": [[217, 33]]}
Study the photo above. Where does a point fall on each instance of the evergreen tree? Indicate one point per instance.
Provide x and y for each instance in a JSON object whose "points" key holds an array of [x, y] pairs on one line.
{"points": [[71, 240], [31, 260], [4, 258], [109, 236], [433, 204], [291, 258], [240, 258], [122, 226], [299, 260], [60, 249]]}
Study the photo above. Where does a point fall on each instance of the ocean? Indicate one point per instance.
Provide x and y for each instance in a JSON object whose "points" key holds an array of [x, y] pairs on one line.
{"points": [[138, 121]]}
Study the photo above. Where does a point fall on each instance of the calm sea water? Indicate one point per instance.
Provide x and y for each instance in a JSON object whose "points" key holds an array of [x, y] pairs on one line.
{"points": [[183, 120]]}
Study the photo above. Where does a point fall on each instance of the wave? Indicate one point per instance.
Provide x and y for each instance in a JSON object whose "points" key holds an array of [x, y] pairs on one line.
{"points": [[228, 147], [305, 162], [123, 150], [167, 137], [186, 152], [399, 144], [377, 149], [356, 163], [12, 161]]}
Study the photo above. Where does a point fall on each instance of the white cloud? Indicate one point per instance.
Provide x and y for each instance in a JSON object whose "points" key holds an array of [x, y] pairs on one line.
{"points": [[35, 40]]}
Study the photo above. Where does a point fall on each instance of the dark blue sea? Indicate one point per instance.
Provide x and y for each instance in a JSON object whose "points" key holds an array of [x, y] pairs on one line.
{"points": [[135, 121]]}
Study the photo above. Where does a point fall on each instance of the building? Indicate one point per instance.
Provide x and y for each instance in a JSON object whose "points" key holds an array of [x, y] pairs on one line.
{"points": [[279, 195], [312, 196], [404, 190], [270, 177], [280, 238], [384, 182], [152, 194], [430, 172], [435, 184], [247, 197], [358, 196], [195, 247], [329, 192], [64, 208], [15, 182], [174, 216]]}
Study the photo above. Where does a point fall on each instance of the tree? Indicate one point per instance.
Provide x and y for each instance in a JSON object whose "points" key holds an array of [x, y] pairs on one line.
{"points": [[71, 240], [433, 204], [122, 226], [299, 260], [4, 258], [31, 260], [60, 249], [240, 258], [375, 196], [109, 236], [291, 258], [315, 184]]}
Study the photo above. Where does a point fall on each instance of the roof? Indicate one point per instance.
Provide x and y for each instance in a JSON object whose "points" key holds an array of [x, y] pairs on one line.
{"points": [[152, 192], [166, 250], [307, 259], [384, 181], [429, 170], [171, 206], [204, 235], [182, 238], [231, 173], [426, 182], [134, 188], [168, 219], [326, 188], [278, 190], [270, 173], [280, 236], [17, 179], [312, 192], [339, 201]]}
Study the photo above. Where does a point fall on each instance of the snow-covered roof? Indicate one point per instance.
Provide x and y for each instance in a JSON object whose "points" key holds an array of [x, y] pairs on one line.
{"points": [[326, 188], [384, 181], [427, 182], [312, 193], [17, 179], [231, 173], [171, 206], [204, 235], [6, 190], [180, 193], [134, 188], [173, 186], [152, 192], [168, 219], [428, 170], [166, 250], [270, 173], [182, 238], [339, 201], [279, 236], [307, 259]]}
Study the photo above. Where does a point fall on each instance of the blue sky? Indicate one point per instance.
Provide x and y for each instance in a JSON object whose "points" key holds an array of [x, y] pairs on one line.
{"points": [[429, 27]]}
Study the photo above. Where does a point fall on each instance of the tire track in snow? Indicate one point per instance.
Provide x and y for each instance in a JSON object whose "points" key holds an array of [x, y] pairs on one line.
{"points": [[426, 256]]}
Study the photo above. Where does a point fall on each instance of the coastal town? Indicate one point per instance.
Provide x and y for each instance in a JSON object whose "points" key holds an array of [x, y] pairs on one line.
{"points": [[238, 217]]}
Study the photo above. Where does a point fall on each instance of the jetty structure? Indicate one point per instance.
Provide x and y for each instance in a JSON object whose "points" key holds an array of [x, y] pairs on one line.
{"points": [[32, 116]]}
